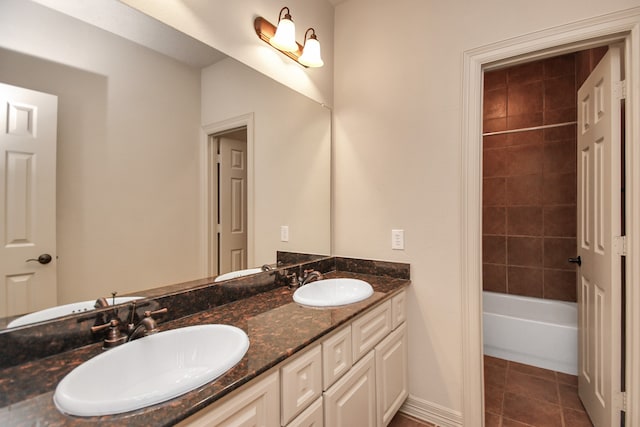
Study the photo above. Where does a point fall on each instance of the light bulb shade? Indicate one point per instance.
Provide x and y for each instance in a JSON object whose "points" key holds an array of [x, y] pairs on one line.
{"points": [[285, 37], [311, 53]]}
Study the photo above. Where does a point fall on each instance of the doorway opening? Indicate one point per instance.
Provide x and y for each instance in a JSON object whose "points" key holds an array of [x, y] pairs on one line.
{"points": [[529, 211], [606, 29], [227, 200]]}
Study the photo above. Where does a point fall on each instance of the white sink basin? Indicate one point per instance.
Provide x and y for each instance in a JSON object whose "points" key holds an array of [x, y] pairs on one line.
{"points": [[62, 310], [150, 370], [237, 273], [333, 292]]}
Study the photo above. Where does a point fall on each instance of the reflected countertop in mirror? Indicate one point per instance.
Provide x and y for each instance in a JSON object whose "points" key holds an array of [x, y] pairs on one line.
{"points": [[132, 162]]}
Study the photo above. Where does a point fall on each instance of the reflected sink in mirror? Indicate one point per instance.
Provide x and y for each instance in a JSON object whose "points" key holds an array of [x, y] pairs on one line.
{"points": [[333, 292], [64, 310], [150, 370], [238, 273]]}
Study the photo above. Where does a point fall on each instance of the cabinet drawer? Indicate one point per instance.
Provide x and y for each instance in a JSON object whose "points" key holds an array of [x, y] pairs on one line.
{"points": [[313, 416], [257, 405], [398, 309], [368, 330], [337, 357], [301, 382]]}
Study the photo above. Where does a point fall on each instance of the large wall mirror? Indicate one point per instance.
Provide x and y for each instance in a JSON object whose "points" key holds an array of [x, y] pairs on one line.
{"points": [[137, 141]]}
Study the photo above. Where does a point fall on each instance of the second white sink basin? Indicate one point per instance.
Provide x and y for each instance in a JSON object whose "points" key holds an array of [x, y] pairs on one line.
{"points": [[150, 370], [238, 273], [333, 292]]}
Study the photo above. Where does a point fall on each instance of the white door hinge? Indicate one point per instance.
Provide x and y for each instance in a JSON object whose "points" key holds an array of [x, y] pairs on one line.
{"points": [[219, 158], [620, 245], [219, 228], [620, 89], [621, 401]]}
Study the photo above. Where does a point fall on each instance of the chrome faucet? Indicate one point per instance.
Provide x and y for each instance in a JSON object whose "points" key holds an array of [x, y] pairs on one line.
{"points": [[310, 276]]}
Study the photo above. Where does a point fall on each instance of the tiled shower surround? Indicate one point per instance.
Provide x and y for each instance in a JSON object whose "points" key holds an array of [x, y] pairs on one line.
{"points": [[529, 176]]}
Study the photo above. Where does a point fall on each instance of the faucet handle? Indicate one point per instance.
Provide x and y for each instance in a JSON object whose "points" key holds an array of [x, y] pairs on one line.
{"points": [[111, 324], [113, 336], [150, 313]]}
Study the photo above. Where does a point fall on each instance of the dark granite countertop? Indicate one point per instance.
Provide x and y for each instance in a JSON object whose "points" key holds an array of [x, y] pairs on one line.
{"points": [[277, 328]]}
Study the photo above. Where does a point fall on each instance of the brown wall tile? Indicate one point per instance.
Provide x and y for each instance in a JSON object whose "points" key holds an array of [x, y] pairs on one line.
{"points": [[526, 137], [557, 251], [494, 278], [494, 125], [525, 121], [524, 251], [564, 65], [525, 281], [525, 159], [561, 133], [560, 156], [494, 191], [560, 285], [560, 221], [524, 221], [524, 190], [494, 104], [559, 189], [495, 141], [559, 93], [525, 73], [525, 99], [494, 162], [564, 115], [494, 249], [495, 79], [494, 220]]}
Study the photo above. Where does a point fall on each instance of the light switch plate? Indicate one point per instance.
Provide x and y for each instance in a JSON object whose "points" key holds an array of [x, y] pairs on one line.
{"points": [[284, 233], [397, 239]]}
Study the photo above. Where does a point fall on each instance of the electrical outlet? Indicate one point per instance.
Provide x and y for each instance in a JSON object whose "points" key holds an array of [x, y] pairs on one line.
{"points": [[284, 233], [397, 239]]}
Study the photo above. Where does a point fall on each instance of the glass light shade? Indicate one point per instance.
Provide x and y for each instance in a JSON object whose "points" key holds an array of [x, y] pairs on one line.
{"points": [[311, 54], [285, 37]]}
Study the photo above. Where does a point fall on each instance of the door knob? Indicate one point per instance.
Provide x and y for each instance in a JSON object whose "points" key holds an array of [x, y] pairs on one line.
{"points": [[576, 260], [42, 259]]}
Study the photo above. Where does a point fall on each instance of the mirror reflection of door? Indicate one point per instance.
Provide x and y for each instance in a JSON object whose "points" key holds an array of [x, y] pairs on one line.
{"points": [[228, 193], [28, 126], [600, 222]]}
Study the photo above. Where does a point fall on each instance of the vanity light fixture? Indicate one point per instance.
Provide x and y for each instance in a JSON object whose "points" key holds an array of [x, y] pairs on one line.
{"points": [[285, 37], [282, 38]]}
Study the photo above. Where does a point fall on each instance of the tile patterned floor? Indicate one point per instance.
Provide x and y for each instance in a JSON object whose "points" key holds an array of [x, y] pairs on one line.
{"points": [[517, 395]]}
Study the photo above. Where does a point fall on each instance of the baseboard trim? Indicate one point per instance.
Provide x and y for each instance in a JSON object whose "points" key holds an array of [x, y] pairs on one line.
{"points": [[431, 412]]}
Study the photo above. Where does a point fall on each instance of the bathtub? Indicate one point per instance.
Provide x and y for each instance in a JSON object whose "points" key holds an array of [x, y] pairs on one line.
{"points": [[532, 331]]}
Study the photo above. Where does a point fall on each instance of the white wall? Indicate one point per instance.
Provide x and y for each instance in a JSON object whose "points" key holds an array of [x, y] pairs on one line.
{"points": [[128, 152], [291, 157], [228, 26], [398, 153]]}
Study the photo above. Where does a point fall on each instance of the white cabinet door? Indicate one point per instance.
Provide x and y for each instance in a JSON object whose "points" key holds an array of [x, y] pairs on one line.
{"points": [[392, 379], [301, 383], [352, 400], [257, 406], [336, 356]]}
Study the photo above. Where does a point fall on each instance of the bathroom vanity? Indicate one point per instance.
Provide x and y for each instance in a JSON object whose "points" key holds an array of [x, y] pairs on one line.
{"points": [[303, 364]]}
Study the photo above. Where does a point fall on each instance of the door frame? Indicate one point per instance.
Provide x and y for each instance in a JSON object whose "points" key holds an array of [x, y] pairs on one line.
{"points": [[245, 120], [623, 25]]}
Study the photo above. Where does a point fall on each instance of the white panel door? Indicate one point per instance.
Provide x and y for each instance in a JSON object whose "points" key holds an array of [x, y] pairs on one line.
{"points": [[28, 126], [232, 205], [598, 224]]}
